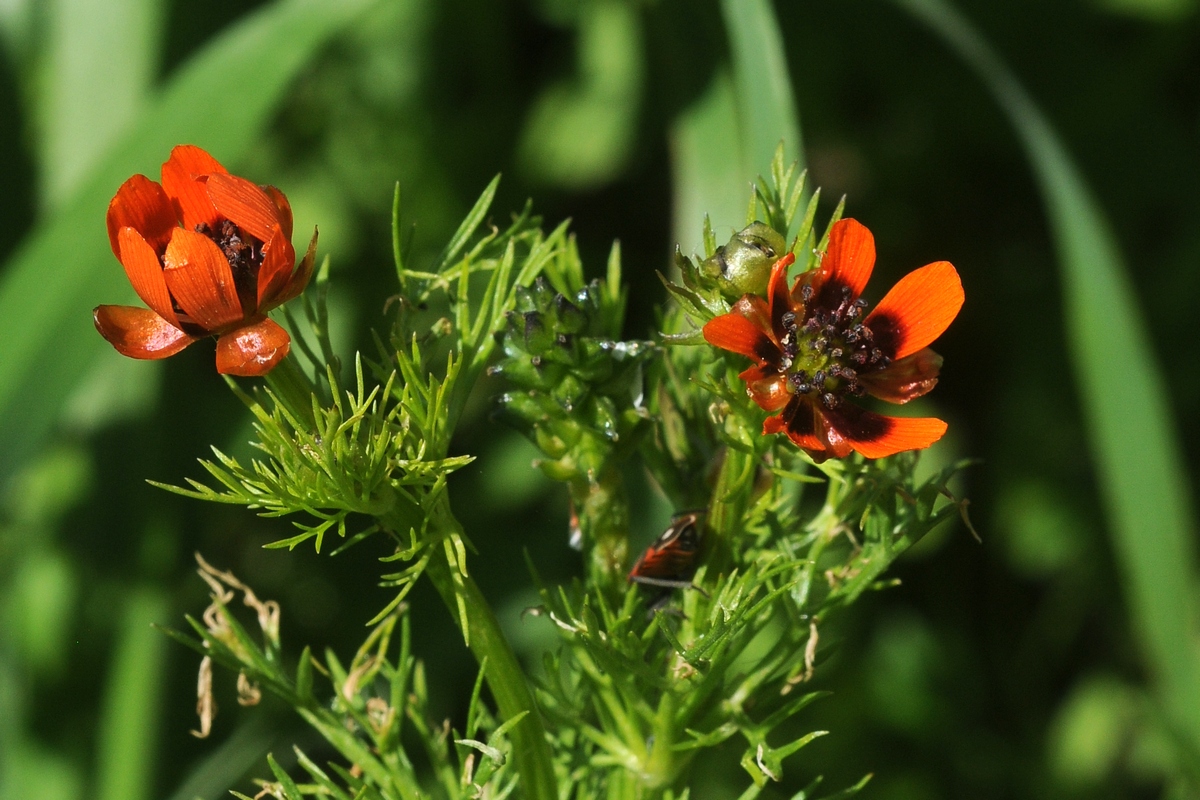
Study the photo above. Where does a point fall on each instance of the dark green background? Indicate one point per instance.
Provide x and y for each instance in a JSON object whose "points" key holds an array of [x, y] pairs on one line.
{"points": [[1002, 669]]}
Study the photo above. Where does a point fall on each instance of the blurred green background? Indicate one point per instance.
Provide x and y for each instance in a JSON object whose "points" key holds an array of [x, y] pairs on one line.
{"points": [[1056, 659]]}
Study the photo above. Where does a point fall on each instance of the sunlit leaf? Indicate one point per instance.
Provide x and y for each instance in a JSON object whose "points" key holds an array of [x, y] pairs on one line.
{"points": [[100, 64], [766, 108], [727, 138]]}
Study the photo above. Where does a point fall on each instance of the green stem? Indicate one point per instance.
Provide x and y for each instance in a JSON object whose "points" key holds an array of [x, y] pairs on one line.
{"points": [[504, 677], [662, 766], [602, 507], [727, 512], [294, 390]]}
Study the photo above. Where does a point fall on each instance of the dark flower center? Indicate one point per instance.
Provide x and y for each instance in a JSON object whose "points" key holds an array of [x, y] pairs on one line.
{"points": [[827, 350], [245, 257]]}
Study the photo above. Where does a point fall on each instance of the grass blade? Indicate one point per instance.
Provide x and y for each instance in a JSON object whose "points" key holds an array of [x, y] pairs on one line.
{"points": [[728, 137], [707, 172], [766, 104], [1134, 441], [130, 720], [100, 66]]}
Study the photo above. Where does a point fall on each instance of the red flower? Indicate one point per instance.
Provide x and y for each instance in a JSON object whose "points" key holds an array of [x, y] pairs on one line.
{"points": [[210, 253], [812, 351]]}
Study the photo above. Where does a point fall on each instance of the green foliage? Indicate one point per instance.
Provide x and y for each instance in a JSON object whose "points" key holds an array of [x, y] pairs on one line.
{"points": [[635, 692], [617, 102], [577, 393], [366, 454], [363, 711]]}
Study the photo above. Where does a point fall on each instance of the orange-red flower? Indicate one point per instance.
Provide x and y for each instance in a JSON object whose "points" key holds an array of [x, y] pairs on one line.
{"points": [[813, 349], [210, 254]]}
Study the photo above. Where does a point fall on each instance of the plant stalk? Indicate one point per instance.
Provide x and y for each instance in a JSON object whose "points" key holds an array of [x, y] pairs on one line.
{"points": [[294, 390], [602, 507], [727, 514], [503, 674]]}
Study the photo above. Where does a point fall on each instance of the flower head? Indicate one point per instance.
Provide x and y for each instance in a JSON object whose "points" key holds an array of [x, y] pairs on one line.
{"points": [[814, 349], [210, 254]]}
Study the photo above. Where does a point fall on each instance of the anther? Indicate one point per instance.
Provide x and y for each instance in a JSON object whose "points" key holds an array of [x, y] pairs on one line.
{"points": [[830, 400]]}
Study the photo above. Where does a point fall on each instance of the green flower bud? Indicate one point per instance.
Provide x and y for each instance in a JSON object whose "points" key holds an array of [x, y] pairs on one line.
{"points": [[744, 264]]}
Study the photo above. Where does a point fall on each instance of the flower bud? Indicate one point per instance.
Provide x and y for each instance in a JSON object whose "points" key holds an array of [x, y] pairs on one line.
{"points": [[743, 265]]}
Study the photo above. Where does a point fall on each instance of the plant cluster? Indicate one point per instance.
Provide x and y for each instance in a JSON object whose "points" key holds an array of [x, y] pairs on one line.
{"points": [[644, 678]]}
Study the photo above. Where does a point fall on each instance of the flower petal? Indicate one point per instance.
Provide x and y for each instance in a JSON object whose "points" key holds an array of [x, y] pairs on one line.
{"points": [[745, 331], [141, 204], [803, 425], [245, 204], [181, 178], [145, 272], [917, 310], [201, 281], [767, 387], [903, 380], [847, 264], [139, 332], [283, 207], [299, 279], [876, 436], [779, 300], [253, 349], [278, 259]]}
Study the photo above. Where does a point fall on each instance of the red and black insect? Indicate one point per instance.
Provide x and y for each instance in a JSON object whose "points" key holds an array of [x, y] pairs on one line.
{"points": [[671, 561]]}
